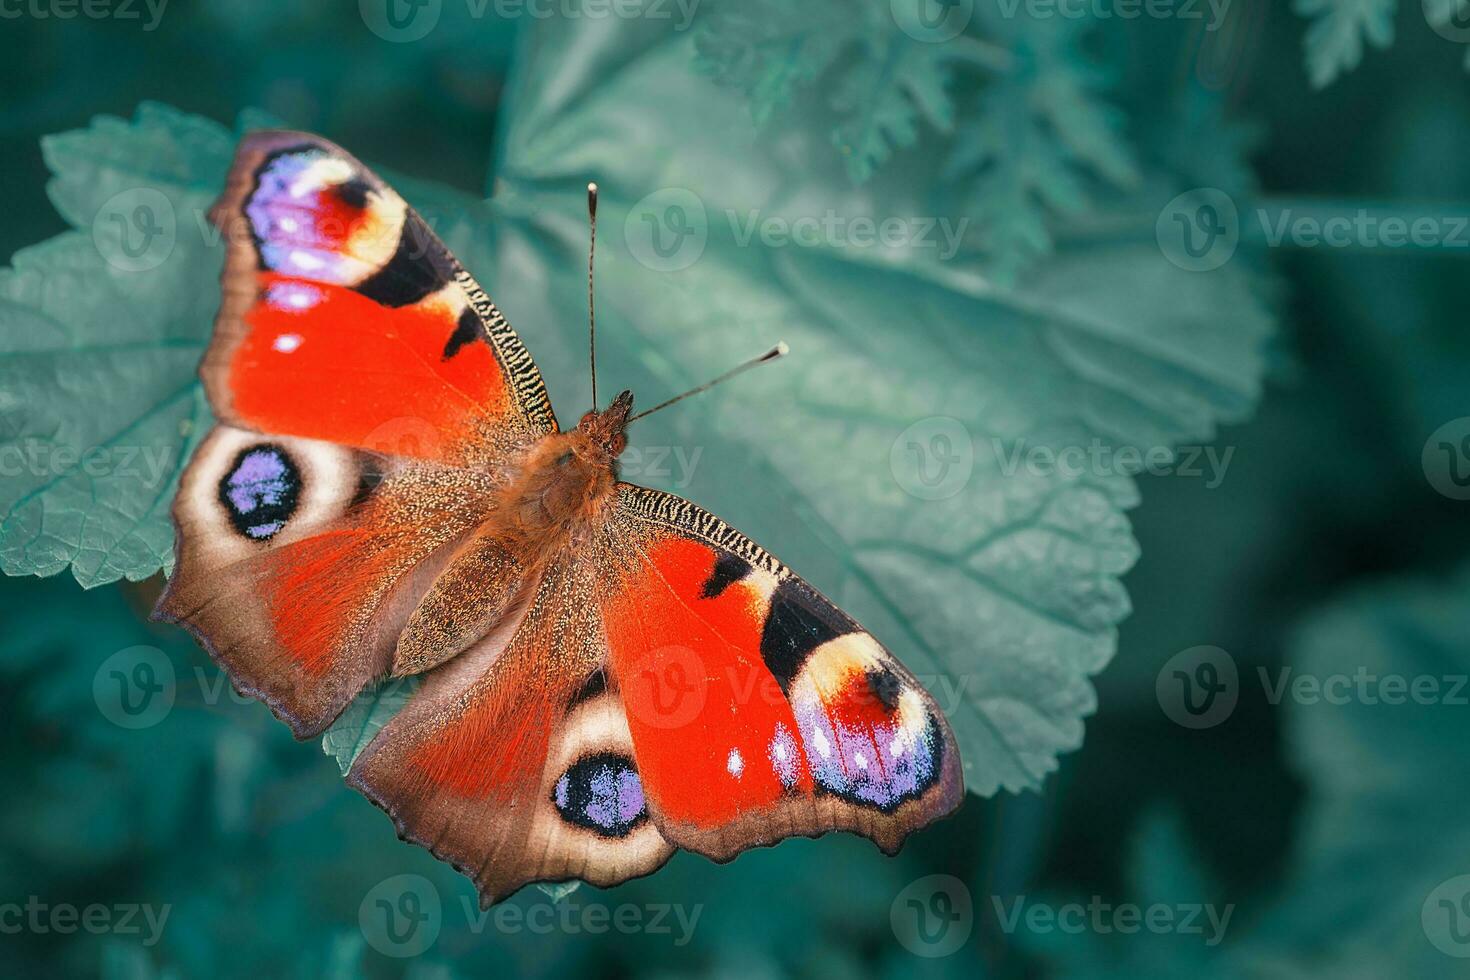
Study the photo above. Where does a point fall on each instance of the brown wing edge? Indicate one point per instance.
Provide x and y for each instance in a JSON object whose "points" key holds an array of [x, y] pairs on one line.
{"points": [[303, 726]]}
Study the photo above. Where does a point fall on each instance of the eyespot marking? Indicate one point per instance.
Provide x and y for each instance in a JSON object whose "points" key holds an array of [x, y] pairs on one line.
{"points": [[601, 793], [260, 491]]}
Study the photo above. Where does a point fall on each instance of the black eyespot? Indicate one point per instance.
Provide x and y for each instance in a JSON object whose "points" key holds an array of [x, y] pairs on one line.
{"points": [[260, 491], [601, 793], [354, 192], [886, 687]]}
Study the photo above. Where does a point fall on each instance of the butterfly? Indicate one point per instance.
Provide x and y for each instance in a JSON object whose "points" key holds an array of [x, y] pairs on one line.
{"points": [[606, 672]]}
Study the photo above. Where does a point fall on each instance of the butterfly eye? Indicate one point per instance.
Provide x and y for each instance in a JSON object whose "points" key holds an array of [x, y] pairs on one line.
{"points": [[564, 458]]}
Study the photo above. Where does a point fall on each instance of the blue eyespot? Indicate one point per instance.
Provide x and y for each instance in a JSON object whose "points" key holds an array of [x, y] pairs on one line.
{"points": [[602, 793], [260, 492]]}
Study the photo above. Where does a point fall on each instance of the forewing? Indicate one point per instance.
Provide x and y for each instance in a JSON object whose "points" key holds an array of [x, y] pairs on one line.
{"points": [[369, 394], [758, 709], [345, 319]]}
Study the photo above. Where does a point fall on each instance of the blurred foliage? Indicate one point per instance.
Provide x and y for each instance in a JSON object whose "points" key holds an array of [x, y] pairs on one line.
{"points": [[1341, 29], [1057, 321]]}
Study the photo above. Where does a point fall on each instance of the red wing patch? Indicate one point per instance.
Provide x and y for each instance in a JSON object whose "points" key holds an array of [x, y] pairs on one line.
{"points": [[326, 361], [345, 319], [716, 737]]}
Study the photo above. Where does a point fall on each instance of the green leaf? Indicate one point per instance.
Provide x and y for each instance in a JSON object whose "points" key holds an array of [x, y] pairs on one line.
{"points": [[879, 82], [1023, 149], [1041, 134], [1334, 42], [99, 347], [1005, 596], [364, 718], [558, 890], [883, 98], [769, 51], [1384, 824]]}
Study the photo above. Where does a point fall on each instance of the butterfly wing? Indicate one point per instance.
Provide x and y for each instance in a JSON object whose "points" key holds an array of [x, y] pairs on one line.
{"points": [[298, 562], [368, 392], [670, 685], [344, 318], [514, 760], [758, 710]]}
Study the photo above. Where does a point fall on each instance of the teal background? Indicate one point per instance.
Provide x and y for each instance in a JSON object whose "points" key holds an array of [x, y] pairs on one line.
{"points": [[1329, 828]]}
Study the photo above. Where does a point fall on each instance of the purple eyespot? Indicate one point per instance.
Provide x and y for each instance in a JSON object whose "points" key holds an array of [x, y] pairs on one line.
{"points": [[260, 492], [602, 793]]}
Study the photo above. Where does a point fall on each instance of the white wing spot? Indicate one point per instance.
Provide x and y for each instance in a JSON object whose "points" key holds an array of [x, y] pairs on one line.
{"points": [[306, 261], [823, 746]]}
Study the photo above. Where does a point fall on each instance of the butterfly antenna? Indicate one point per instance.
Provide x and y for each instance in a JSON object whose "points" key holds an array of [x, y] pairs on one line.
{"points": [[591, 312], [780, 350]]}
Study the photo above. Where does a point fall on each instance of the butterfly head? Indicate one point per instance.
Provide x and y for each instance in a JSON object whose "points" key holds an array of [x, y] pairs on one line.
{"points": [[602, 433]]}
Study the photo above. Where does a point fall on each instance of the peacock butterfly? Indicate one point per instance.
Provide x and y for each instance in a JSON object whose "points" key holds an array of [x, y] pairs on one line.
{"points": [[608, 672]]}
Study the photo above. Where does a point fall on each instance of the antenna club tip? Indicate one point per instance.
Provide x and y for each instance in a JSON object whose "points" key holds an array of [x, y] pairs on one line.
{"points": [[592, 197], [780, 350]]}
